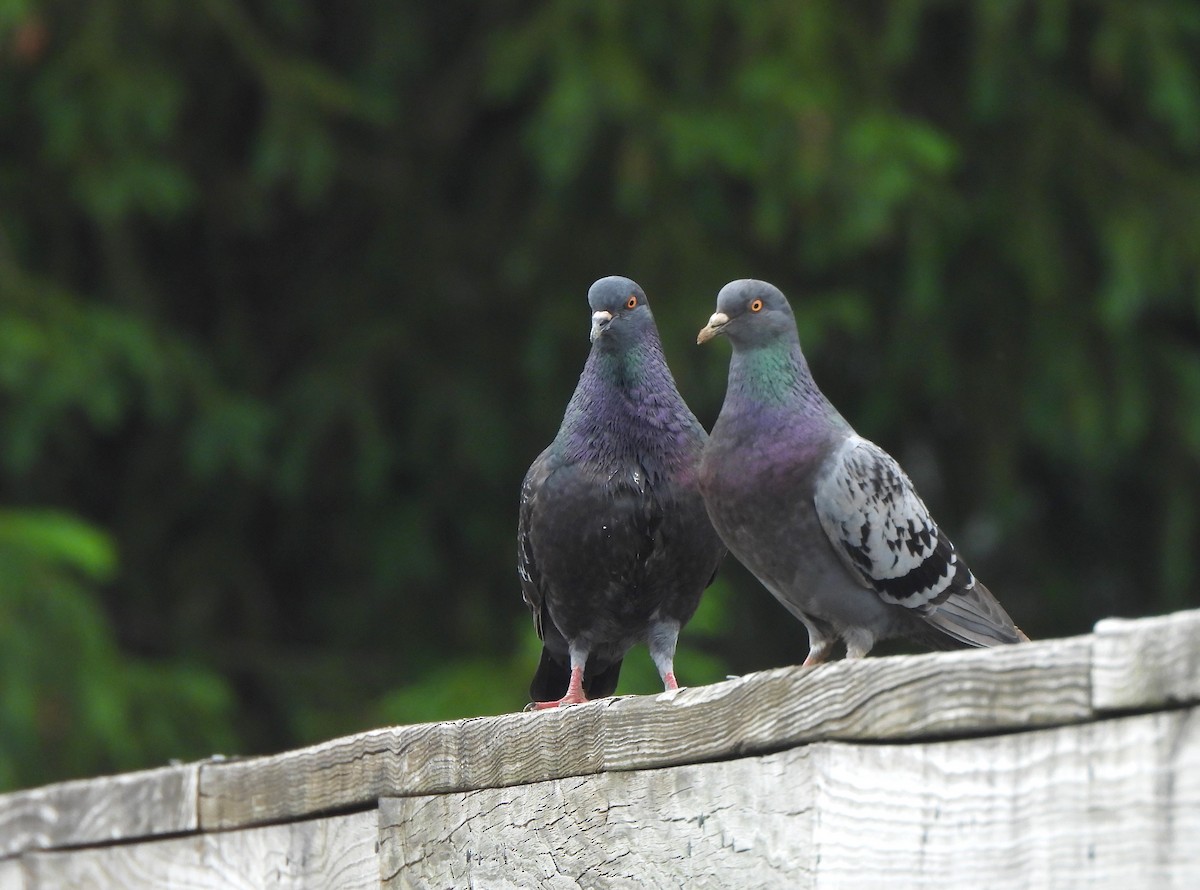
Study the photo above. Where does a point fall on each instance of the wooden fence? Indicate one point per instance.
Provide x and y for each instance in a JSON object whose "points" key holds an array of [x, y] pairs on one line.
{"points": [[1064, 763]]}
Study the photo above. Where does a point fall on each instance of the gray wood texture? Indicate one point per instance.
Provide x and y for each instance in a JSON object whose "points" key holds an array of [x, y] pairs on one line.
{"points": [[337, 853], [1109, 804], [1059, 763], [1147, 662], [12, 877], [907, 697], [729, 824], [159, 801], [1114, 803]]}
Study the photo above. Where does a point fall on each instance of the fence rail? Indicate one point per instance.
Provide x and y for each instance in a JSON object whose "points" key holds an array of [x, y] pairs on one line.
{"points": [[1061, 763]]}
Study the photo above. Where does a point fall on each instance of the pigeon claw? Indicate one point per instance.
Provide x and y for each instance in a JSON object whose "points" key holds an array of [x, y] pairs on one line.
{"points": [[818, 654], [567, 699], [575, 694]]}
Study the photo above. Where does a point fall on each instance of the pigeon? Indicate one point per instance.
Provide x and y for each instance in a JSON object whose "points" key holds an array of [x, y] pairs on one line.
{"points": [[825, 519], [614, 545]]}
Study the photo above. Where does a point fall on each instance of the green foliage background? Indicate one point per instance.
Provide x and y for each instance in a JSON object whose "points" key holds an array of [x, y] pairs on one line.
{"points": [[291, 293]]}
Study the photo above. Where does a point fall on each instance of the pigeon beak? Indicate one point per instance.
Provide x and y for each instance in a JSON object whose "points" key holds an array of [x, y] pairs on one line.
{"points": [[600, 321], [714, 326]]}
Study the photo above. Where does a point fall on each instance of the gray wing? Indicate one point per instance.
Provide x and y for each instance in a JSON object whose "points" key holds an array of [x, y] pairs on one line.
{"points": [[885, 536], [883, 531]]}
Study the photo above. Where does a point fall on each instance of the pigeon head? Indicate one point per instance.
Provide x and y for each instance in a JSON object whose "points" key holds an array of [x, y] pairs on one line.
{"points": [[750, 313], [620, 312]]}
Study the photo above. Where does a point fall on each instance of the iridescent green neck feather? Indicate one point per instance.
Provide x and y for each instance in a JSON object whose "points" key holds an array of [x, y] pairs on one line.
{"points": [[776, 375]]}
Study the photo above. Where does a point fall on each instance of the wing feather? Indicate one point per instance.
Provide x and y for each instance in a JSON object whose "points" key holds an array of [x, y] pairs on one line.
{"points": [[883, 531], [527, 567]]}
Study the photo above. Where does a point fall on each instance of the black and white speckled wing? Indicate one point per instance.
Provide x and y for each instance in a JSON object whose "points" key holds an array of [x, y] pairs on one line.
{"points": [[882, 530]]}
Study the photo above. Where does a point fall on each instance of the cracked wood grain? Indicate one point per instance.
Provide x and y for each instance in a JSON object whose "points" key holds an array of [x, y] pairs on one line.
{"points": [[911, 697], [734, 823], [945, 768], [1109, 804], [337, 853]]}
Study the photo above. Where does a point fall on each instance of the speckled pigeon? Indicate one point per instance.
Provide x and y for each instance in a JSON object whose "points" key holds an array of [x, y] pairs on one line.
{"points": [[614, 543], [825, 519]]}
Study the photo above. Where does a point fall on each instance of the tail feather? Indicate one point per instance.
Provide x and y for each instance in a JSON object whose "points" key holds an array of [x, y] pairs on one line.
{"points": [[550, 679], [602, 683], [976, 618]]}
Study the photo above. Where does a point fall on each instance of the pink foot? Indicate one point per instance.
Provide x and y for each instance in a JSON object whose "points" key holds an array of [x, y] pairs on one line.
{"points": [[567, 699], [574, 694], [820, 655], [669, 681]]}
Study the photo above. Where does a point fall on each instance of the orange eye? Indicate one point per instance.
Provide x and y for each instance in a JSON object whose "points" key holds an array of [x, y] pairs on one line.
{"points": [[756, 306], [631, 303]]}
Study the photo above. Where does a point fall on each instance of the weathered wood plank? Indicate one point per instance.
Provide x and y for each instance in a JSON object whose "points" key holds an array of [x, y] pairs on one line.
{"points": [[1147, 663], [981, 770], [875, 699], [336, 853], [913, 697], [12, 877], [1108, 804], [141, 804], [735, 823], [358, 770]]}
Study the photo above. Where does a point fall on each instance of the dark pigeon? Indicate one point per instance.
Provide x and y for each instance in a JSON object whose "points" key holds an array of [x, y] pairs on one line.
{"points": [[826, 520], [614, 544]]}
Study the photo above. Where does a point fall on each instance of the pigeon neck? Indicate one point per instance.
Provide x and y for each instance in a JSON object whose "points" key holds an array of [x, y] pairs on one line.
{"points": [[776, 376], [626, 407], [629, 371]]}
